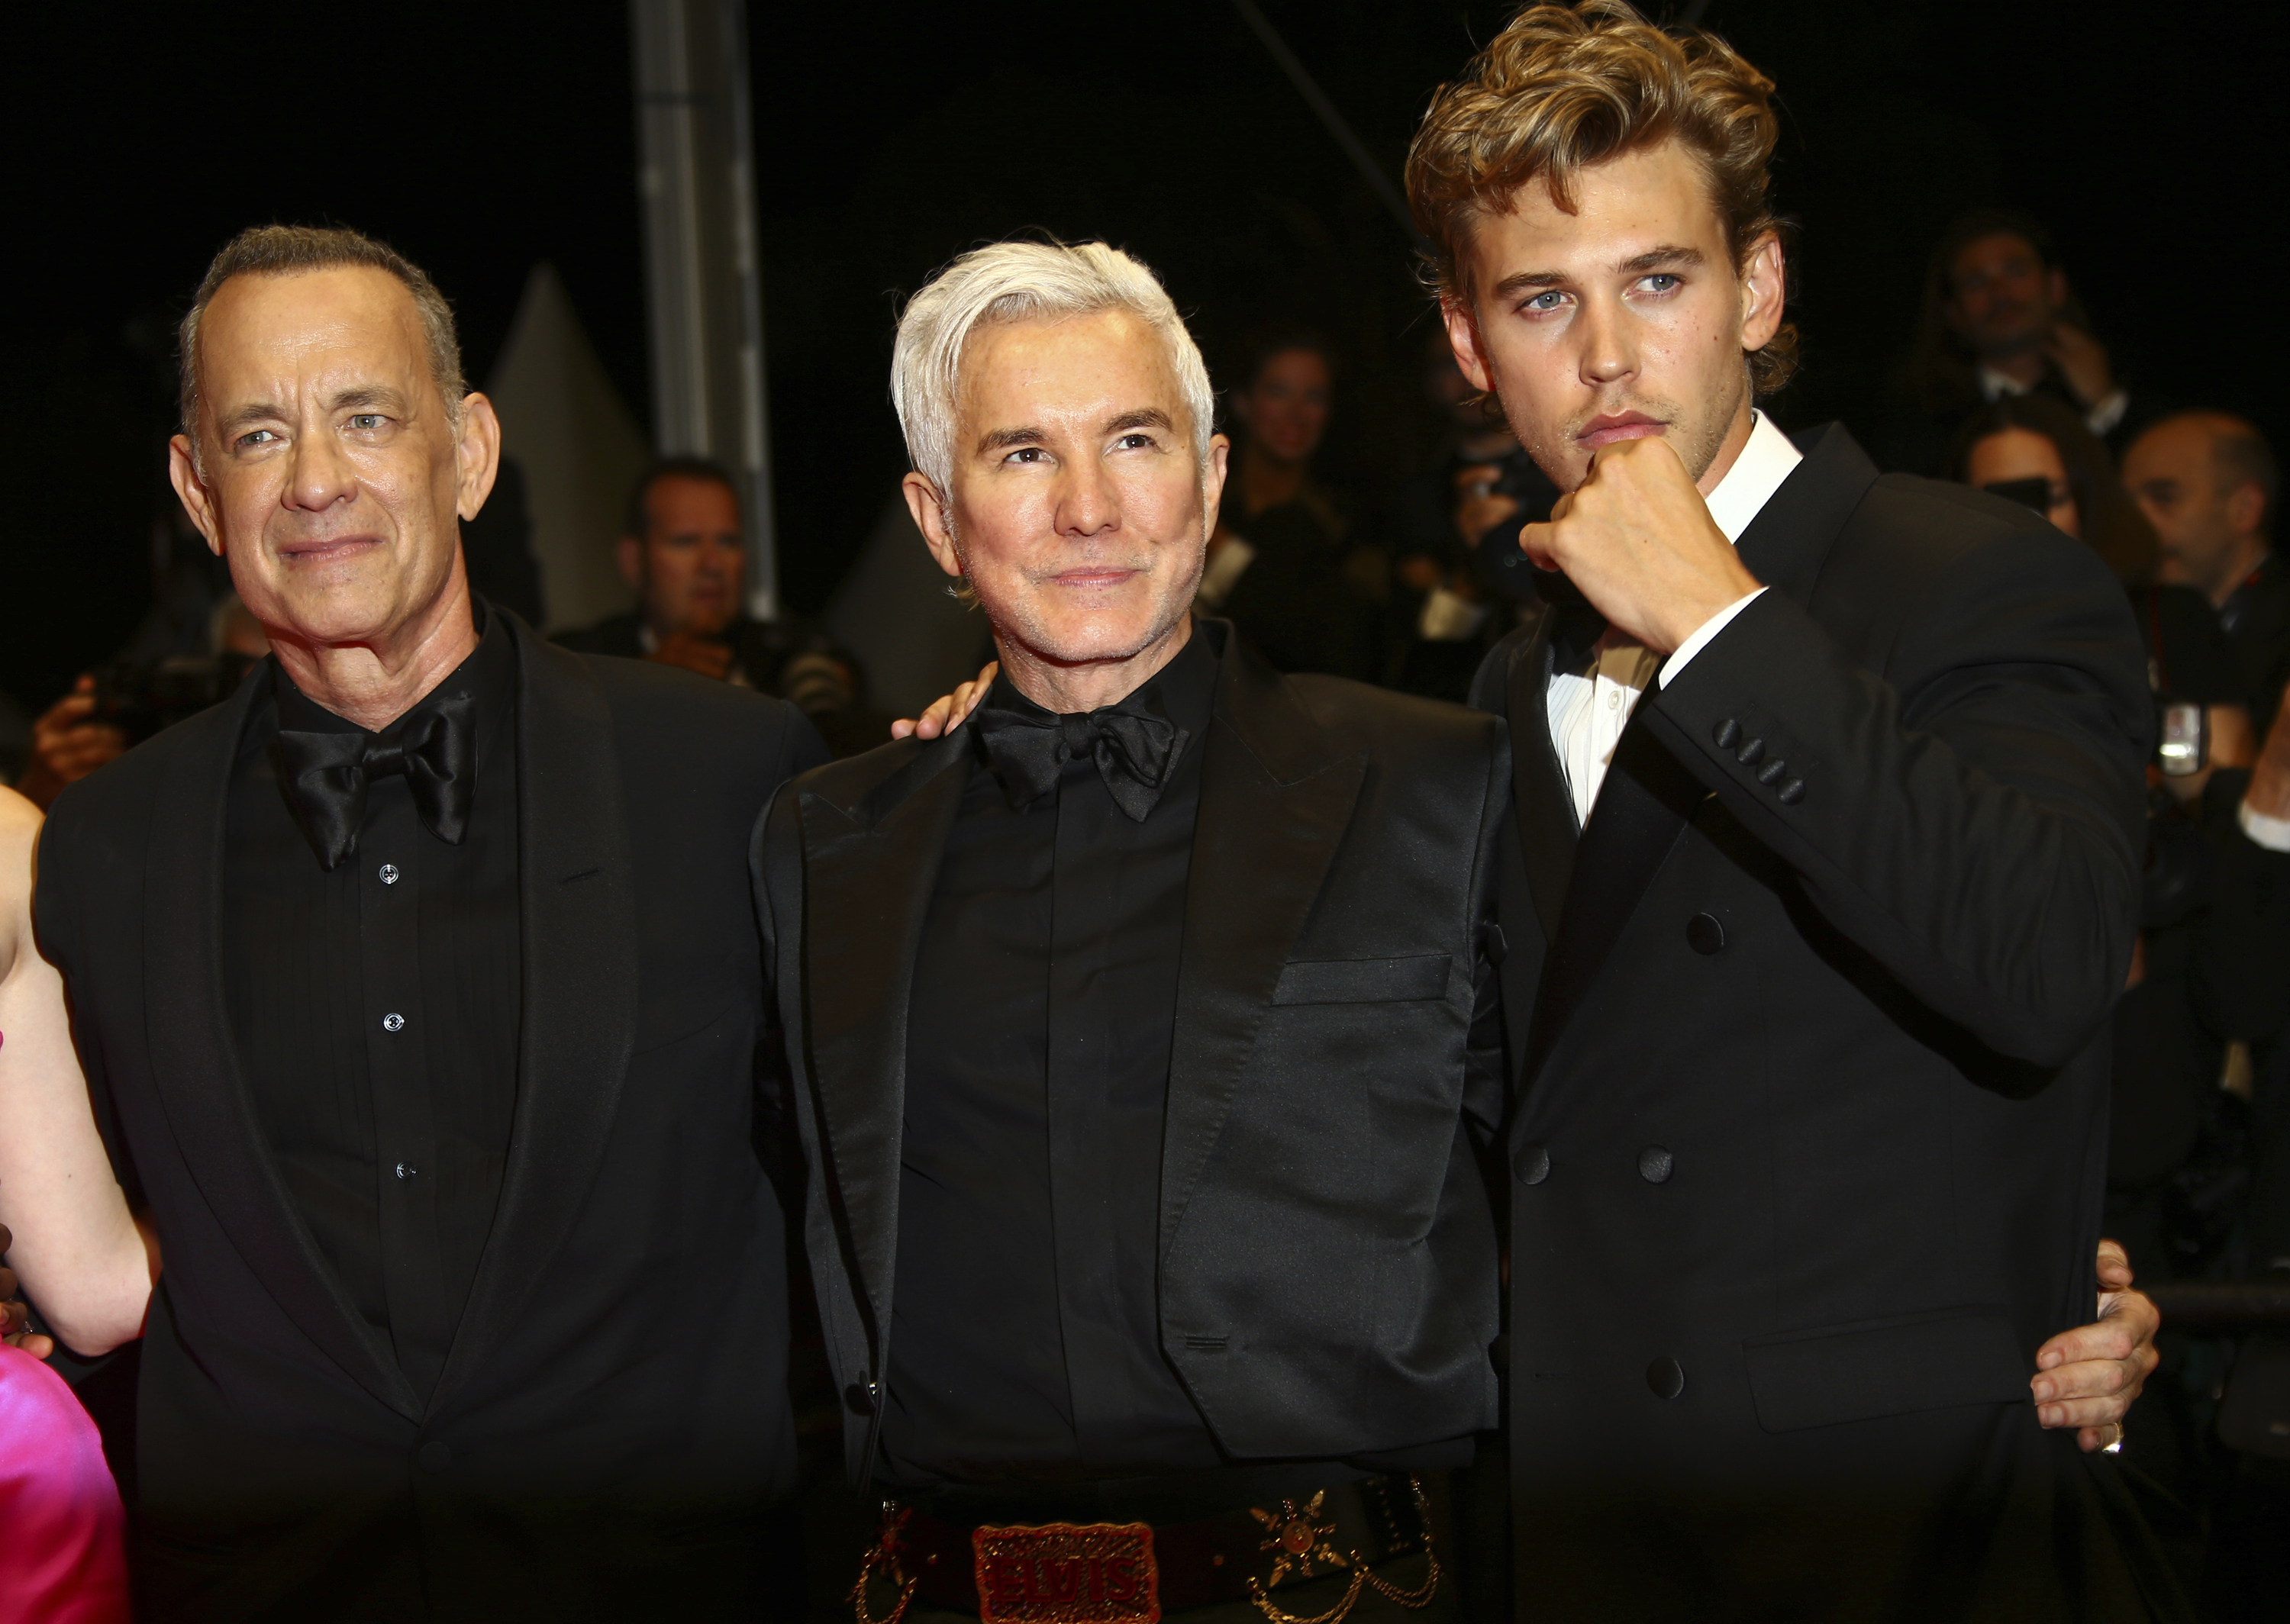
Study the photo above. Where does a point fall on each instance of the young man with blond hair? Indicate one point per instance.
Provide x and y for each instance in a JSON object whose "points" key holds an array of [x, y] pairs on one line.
{"points": [[1830, 818]]}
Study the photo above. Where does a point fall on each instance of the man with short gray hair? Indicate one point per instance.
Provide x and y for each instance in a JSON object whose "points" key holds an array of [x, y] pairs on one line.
{"points": [[419, 993], [1143, 1032]]}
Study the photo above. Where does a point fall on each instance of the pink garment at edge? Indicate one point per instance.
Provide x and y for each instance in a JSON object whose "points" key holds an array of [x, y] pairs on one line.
{"points": [[61, 1561]]}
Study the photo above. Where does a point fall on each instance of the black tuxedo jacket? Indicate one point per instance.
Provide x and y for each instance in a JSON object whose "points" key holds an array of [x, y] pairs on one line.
{"points": [[1327, 1274], [1809, 1145], [613, 1414]]}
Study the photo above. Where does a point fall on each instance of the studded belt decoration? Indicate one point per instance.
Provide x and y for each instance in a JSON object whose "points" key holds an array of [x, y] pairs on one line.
{"points": [[1129, 1573]]}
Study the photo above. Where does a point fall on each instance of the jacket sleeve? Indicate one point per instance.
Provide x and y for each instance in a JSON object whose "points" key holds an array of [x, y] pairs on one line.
{"points": [[1971, 814]]}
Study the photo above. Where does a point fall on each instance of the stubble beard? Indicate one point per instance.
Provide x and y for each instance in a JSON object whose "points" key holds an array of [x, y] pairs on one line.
{"points": [[1026, 621]]}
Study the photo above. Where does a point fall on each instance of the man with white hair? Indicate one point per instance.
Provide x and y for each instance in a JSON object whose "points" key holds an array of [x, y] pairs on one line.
{"points": [[1143, 1032]]}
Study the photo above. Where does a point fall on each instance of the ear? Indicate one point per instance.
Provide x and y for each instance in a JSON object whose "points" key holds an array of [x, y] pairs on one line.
{"points": [[199, 501], [1463, 339], [2246, 508], [1212, 478], [1765, 289], [928, 506], [477, 457], [628, 552]]}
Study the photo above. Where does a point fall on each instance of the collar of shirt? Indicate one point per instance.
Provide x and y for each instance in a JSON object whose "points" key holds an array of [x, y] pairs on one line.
{"points": [[489, 674], [1588, 709], [1994, 385], [1185, 688]]}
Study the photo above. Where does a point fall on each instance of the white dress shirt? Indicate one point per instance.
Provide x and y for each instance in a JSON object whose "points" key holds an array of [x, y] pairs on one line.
{"points": [[2100, 420], [1589, 707]]}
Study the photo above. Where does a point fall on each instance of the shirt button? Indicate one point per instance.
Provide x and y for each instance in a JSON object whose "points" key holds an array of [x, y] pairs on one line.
{"points": [[434, 1456], [1614, 699], [392, 1022], [389, 873], [406, 1170], [1666, 1378]]}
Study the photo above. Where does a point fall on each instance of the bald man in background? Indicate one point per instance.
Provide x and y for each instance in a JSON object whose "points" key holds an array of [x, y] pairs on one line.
{"points": [[2209, 482]]}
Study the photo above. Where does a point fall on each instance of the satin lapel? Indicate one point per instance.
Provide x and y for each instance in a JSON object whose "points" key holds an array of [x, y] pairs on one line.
{"points": [[868, 872], [1277, 795], [195, 1065], [1545, 808], [1785, 544], [1642, 808], [576, 885]]}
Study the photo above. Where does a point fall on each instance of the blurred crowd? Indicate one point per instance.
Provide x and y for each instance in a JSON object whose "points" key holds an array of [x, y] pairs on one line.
{"points": [[2010, 391]]}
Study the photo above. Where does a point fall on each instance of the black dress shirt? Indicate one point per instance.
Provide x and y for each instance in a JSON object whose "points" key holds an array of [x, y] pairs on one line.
{"points": [[1027, 1341], [376, 1011]]}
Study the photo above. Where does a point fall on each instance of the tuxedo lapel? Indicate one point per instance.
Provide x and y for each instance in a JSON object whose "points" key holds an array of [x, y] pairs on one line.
{"points": [[194, 1063], [1275, 798], [576, 889], [870, 868], [1648, 795], [1643, 806], [1545, 808], [1785, 544]]}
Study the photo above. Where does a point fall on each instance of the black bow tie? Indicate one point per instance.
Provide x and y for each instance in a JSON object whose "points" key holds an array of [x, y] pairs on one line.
{"points": [[1135, 750], [325, 775]]}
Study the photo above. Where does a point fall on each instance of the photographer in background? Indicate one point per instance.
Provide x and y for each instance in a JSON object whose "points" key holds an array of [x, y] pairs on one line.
{"points": [[108, 711], [682, 553]]}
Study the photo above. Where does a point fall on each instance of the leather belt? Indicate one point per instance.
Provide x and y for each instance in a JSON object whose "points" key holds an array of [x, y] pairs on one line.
{"points": [[1117, 1573]]}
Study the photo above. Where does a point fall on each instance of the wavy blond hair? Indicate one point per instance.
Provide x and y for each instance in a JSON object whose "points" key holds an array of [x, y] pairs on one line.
{"points": [[1562, 88]]}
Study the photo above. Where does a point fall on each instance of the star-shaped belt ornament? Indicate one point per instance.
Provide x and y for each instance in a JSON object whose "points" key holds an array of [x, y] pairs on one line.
{"points": [[1298, 1538]]}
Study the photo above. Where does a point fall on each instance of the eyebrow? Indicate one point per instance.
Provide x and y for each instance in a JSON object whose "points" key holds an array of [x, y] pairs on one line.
{"points": [[1004, 439], [366, 394], [1007, 439], [350, 399], [1670, 256]]}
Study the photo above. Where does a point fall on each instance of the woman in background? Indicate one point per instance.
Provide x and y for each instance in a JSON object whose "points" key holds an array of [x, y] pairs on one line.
{"points": [[1285, 563]]}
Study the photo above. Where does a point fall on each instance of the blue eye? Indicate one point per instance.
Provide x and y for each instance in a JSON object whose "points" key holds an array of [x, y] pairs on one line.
{"points": [[367, 419], [1661, 282], [1545, 301]]}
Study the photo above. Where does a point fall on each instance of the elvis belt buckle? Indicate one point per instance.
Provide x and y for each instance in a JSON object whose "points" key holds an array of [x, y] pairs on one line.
{"points": [[1066, 1573]]}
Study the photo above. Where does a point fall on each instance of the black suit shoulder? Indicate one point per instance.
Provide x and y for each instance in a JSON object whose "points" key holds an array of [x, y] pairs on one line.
{"points": [[613, 634], [678, 726], [1399, 729]]}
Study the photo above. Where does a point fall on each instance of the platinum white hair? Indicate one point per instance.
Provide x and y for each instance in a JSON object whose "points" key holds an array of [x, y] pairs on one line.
{"points": [[1017, 282]]}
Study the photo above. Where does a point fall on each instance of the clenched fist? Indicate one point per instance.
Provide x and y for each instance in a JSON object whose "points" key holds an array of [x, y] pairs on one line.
{"points": [[1637, 538]]}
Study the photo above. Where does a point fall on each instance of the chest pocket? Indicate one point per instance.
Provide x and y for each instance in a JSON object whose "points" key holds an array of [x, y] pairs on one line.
{"points": [[1364, 981]]}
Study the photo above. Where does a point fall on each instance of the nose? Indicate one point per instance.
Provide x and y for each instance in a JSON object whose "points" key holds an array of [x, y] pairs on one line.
{"points": [[1609, 351], [321, 474], [1088, 501]]}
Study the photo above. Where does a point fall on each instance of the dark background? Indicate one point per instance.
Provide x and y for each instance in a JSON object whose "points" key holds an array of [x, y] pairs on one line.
{"points": [[480, 139]]}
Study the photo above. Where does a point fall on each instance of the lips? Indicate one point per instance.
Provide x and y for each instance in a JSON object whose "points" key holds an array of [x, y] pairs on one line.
{"points": [[1606, 430], [327, 550]]}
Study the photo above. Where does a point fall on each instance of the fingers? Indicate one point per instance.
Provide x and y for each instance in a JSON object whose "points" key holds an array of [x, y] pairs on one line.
{"points": [[38, 1346], [903, 728], [2099, 1410], [2113, 1337], [1536, 541], [2114, 1267]]}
